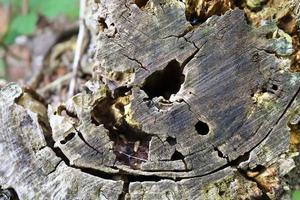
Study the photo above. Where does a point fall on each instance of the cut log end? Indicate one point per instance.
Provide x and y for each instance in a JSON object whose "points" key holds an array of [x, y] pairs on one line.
{"points": [[179, 113]]}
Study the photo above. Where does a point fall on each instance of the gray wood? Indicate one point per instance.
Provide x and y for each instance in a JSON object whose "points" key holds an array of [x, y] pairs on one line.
{"points": [[32, 168], [173, 111]]}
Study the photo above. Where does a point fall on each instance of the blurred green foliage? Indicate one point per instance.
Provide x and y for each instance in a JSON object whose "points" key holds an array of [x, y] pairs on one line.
{"points": [[2, 68], [26, 24], [296, 195]]}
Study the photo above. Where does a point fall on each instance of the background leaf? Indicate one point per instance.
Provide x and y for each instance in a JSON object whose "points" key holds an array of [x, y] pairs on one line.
{"points": [[296, 195], [54, 8], [2, 68], [21, 25], [26, 24]]}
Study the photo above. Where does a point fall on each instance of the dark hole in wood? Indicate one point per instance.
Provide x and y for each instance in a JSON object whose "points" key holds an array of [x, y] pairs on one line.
{"points": [[68, 138], [164, 82], [102, 23], [8, 194], [240, 4], [141, 3], [264, 89], [121, 91], [221, 192], [177, 156], [125, 139], [171, 141], [120, 107], [195, 20], [202, 128], [122, 134], [239, 159], [269, 35], [274, 87], [258, 168], [103, 113], [220, 154], [284, 23]]}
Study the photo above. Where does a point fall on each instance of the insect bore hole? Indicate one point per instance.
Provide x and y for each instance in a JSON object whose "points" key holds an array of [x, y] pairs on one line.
{"points": [[202, 128]]}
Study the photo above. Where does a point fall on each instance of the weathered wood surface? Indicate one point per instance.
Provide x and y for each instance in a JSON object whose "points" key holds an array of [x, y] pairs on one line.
{"points": [[31, 167], [173, 112]]}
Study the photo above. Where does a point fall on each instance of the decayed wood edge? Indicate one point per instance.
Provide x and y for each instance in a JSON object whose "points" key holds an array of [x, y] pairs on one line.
{"points": [[33, 169], [30, 164]]}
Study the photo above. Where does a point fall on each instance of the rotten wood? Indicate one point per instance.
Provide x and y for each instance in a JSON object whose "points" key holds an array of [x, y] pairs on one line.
{"points": [[174, 111]]}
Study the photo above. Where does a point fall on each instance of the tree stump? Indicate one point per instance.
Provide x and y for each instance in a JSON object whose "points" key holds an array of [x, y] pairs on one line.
{"points": [[173, 111]]}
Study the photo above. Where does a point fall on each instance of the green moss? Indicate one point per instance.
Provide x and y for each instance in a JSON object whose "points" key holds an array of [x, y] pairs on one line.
{"points": [[218, 190]]}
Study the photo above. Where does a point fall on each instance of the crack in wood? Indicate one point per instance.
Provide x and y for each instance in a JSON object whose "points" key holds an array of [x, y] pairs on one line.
{"points": [[126, 136], [137, 61], [55, 167], [82, 138]]}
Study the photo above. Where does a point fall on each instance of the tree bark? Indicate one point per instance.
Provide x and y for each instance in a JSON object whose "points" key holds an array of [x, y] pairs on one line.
{"points": [[173, 111]]}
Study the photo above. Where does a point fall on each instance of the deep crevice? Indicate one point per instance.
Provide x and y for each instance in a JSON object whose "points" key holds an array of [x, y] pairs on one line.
{"points": [[95, 172], [220, 154], [8, 194], [47, 131], [240, 159], [55, 167], [167, 81], [233, 163], [164, 82], [58, 152], [258, 168], [135, 60], [142, 178], [141, 3], [131, 145], [177, 156], [125, 190]]}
